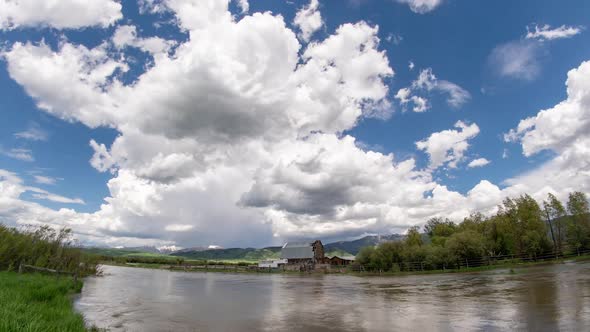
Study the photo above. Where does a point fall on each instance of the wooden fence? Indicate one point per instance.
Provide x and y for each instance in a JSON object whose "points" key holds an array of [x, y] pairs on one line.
{"points": [[474, 262], [23, 267]]}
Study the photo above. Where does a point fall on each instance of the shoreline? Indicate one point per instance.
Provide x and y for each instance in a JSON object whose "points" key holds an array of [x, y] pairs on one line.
{"points": [[36, 302], [233, 269]]}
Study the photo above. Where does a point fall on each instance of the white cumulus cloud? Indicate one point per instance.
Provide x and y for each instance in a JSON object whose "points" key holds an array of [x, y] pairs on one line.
{"points": [[62, 14], [448, 147], [421, 6], [241, 129], [565, 130], [126, 35], [309, 20], [428, 82], [479, 162]]}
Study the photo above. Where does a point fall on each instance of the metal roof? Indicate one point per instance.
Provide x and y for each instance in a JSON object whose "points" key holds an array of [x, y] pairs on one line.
{"points": [[348, 258], [297, 244], [297, 250]]}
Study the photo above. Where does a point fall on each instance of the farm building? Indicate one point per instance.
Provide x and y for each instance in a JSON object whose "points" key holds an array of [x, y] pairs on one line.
{"points": [[303, 255], [340, 261], [272, 263]]}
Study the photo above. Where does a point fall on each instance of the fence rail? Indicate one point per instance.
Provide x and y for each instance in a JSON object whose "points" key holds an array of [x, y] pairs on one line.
{"points": [[23, 267], [472, 262]]}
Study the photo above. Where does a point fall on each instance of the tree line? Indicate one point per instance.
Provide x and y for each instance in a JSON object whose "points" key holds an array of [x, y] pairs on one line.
{"points": [[43, 247], [521, 229]]}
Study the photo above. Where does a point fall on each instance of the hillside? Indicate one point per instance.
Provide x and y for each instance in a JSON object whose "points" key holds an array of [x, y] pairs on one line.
{"points": [[246, 254], [341, 248], [353, 247], [126, 252]]}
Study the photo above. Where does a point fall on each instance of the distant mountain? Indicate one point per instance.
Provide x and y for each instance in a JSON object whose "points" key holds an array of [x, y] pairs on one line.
{"points": [[117, 252], [353, 247], [246, 254], [341, 248], [152, 250], [189, 250]]}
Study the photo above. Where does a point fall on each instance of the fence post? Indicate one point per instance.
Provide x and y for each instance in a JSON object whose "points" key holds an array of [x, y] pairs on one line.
{"points": [[20, 268]]}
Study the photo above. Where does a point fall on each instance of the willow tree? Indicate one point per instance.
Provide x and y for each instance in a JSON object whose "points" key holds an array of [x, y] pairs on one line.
{"points": [[578, 234], [555, 214]]}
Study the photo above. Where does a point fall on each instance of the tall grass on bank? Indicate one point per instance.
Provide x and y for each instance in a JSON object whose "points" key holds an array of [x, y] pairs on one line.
{"points": [[38, 303], [43, 247]]}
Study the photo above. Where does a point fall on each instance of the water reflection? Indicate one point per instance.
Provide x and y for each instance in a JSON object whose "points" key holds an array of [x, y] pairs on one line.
{"points": [[548, 298]]}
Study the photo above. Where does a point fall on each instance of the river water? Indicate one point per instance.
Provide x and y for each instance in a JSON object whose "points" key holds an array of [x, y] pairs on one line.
{"points": [[543, 298]]}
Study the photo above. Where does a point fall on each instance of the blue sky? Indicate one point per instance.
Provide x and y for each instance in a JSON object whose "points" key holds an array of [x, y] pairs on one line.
{"points": [[188, 159]]}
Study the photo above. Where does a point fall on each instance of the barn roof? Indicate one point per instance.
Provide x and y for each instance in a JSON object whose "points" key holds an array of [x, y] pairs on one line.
{"points": [[293, 250], [346, 258]]}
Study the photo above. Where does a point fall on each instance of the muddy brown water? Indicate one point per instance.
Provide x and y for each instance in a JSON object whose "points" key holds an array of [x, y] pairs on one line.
{"points": [[542, 298]]}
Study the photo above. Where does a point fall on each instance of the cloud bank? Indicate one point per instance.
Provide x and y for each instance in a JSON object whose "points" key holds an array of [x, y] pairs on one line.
{"points": [[241, 130]]}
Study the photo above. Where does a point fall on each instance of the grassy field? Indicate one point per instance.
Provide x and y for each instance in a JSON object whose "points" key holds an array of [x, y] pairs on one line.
{"points": [[38, 303]]}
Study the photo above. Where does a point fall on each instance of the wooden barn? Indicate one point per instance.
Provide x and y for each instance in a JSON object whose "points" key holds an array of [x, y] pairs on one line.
{"points": [[303, 255], [341, 261]]}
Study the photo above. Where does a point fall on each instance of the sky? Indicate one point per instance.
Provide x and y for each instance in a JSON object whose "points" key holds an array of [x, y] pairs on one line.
{"points": [[253, 122]]}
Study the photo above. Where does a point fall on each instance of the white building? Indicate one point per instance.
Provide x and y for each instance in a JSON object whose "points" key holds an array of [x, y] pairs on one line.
{"points": [[272, 263]]}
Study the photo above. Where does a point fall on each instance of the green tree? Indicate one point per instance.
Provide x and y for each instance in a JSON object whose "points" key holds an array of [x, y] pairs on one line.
{"points": [[520, 219], [534, 239], [414, 238], [474, 222], [365, 257], [466, 245], [555, 214], [578, 234], [439, 229], [390, 255], [439, 257]]}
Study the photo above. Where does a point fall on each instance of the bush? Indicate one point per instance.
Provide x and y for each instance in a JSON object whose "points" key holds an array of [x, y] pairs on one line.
{"points": [[43, 247]]}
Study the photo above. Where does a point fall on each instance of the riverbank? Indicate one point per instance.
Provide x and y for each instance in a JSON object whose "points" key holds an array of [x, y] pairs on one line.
{"points": [[348, 271], [39, 303], [531, 299]]}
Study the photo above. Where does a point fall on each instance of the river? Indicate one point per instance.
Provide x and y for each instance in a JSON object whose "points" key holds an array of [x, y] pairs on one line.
{"points": [[542, 298]]}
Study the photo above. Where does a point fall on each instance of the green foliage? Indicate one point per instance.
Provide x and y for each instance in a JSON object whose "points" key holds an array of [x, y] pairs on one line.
{"points": [[518, 229], [555, 215], [525, 233], [578, 227], [439, 229], [466, 245], [38, 303], [413, 238], [43, 247]]}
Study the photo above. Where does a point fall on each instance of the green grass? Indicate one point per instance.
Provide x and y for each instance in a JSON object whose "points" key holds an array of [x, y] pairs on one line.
{"points": [[34, 302], [114, 252], [581, 258]]}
